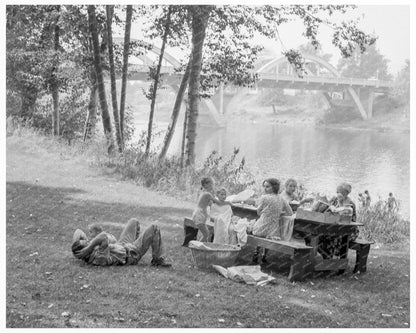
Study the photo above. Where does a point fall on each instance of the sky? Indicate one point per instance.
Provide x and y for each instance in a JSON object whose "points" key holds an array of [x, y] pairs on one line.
{"points": [[391, 23]]}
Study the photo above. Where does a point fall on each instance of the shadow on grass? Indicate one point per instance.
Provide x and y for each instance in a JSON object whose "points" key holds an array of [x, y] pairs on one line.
{"points": [[62, 205]]}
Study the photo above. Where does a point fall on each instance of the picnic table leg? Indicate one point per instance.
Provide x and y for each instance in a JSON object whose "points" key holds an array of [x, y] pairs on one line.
{"points": [[302, 265], [343, 251], [361, 261]]}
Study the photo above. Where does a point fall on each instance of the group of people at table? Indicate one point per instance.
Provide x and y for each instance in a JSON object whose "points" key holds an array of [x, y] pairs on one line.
{"points": [[273, 209]]}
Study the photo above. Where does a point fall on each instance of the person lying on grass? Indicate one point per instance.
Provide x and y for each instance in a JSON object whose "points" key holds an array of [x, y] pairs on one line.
{"points": [[104, 249]]}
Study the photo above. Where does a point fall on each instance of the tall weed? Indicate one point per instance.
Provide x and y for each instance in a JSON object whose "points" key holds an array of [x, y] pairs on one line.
{"points": [[381, 224]]}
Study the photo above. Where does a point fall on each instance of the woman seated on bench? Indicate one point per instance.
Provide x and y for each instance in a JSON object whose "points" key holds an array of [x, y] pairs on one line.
{"points": [[270, 208]]}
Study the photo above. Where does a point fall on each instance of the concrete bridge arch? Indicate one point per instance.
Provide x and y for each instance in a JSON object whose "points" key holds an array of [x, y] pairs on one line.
{"points": [[274, 64]]}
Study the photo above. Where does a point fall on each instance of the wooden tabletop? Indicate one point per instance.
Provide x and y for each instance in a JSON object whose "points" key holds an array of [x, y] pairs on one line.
{"points": [[253, 210]]}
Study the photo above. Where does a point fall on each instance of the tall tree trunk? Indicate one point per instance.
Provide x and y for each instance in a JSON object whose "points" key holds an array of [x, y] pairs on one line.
{"points": [[54, 79], [129, 13], [175, 112], [110, 10], [184, 130], [100, 79], [92, 110], [200, 15], [155, 84], [28, 98]]}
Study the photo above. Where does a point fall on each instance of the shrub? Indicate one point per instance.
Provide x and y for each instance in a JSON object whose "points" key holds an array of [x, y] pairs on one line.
{"points": [[382, 225]]}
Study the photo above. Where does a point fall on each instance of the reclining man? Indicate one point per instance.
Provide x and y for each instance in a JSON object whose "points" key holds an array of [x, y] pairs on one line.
{"points": [[103, 249]]}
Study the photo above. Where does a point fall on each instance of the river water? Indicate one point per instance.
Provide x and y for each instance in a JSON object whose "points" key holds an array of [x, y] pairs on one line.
{"points": [[319, 158]]}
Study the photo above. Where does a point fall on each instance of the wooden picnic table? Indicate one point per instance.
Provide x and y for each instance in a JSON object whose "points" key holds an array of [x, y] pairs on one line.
{"points": [[312, 231]]}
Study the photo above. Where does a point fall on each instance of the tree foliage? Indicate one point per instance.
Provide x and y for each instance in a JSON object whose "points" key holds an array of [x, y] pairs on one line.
{"points": [[365, 65]]}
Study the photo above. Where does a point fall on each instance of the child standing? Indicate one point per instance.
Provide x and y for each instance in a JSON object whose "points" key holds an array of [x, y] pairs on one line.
{"points": [[221, 216], [205, 200]]}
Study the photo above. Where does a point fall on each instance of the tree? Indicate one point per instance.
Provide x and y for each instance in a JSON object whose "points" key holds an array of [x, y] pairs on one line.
{"points": [[100, 80], [369, 64], [109, 12], [129, 14], [155, 75], [30, 58], [175, 113], [402, 83], [54, 81], [200, 16]]}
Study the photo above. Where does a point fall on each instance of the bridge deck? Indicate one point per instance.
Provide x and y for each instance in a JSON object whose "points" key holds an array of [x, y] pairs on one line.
{"points": [[139, 72]]}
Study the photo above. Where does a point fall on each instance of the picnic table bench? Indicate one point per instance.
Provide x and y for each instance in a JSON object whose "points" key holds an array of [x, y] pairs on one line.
{"points": [[301, 265]]}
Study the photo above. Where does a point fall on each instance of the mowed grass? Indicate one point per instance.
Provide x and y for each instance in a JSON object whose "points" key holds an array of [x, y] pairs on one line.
{"points": [[51, 192]]}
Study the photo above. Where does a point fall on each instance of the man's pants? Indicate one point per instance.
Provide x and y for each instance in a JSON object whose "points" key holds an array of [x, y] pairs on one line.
{"points": [[151, 237]]}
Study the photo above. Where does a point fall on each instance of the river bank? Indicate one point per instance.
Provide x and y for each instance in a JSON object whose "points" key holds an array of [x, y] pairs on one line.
{"points": [[51, 190], [308, 110]]}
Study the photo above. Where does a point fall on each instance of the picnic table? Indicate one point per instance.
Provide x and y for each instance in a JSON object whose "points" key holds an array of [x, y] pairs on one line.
{"points": [[304, 254]]}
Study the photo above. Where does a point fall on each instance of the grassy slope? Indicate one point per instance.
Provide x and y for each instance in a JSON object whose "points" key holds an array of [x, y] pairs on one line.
{"points": [[50, 193]]}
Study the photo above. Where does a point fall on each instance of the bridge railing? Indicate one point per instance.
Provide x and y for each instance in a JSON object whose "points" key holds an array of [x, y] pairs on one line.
{"points": [[326, 80], [289, 78]]}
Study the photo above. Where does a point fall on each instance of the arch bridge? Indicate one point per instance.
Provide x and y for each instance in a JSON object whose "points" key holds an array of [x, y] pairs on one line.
{"points": [[277, 73]]}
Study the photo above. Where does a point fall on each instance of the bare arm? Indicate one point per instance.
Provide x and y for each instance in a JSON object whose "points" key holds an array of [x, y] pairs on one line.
{"points": [[100, 240], [219, 202], [306, 200], [250, 201]]}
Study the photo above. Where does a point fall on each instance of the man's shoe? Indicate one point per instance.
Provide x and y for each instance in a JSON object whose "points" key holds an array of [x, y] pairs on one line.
{"points": [[160, 262]]}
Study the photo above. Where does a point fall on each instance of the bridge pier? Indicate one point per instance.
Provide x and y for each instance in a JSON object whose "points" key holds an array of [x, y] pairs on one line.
{"points": [[327, 99], [355, 95]]}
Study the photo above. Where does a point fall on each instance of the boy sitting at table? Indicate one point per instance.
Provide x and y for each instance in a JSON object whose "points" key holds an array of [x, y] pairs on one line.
{"points": [[343, 205]]}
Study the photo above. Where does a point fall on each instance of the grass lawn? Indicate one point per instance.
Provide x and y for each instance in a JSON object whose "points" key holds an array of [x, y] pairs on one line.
{"points": [[51, 192]]}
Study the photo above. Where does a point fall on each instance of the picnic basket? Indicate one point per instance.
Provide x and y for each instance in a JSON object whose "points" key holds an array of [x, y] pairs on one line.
{"points": [[214, 254]]}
